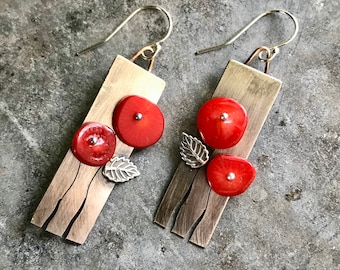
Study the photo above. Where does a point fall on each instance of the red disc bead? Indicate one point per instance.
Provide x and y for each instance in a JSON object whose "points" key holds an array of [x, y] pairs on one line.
{"points": [[221, 122], [230, 175], [94, 144], [138, 122]]}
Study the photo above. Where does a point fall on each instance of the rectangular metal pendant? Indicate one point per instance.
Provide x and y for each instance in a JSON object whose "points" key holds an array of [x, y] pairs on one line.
{"points": [[78, 192], [202, 209]]}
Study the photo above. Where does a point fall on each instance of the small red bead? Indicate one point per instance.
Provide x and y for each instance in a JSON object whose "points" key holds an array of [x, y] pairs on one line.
{"points": [[221, 122], [94, 144], [230, 175], [138, 122]]}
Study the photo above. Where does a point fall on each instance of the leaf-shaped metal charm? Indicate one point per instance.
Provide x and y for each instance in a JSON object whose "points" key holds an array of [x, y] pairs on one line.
{"points": [[193, 151], [120, 169]]}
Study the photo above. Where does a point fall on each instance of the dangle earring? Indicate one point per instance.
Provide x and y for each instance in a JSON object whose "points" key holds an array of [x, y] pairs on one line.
{"points": [[229, 124], [123, 116]]}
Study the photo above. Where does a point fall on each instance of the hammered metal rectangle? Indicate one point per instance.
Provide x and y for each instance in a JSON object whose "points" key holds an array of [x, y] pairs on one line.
{"points": [[203, 208], [78, 192]]}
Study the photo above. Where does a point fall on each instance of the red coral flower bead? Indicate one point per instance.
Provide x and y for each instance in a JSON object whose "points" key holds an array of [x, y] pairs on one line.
{"points": [[221, 122], [94, 144], [138, 122], [230, 175]]}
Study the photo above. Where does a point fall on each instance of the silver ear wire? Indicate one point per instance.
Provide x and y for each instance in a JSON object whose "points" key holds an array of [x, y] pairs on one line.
{"points": [[155, 45], [274, 49]]}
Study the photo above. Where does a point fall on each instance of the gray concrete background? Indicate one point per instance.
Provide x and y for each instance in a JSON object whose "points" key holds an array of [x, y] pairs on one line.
{"points": [[289, 217]]}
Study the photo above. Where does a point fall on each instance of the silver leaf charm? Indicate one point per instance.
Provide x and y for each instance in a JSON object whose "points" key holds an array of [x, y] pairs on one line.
{"points": [[120, 169], [193, 151]]}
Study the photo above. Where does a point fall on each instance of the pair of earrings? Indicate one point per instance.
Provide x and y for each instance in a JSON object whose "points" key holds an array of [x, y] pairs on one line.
{"points": [[125, 116]]}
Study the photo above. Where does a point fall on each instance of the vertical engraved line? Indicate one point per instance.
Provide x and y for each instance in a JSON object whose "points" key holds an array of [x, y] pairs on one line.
{"points": [[69, 227], [57, 206]]}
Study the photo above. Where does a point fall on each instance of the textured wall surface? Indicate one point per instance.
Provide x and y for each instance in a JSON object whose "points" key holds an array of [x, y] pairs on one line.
{"points": [[288, 218]]}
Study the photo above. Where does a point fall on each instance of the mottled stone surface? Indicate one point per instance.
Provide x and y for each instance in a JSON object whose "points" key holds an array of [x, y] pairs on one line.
{"points": [[289, 217]]}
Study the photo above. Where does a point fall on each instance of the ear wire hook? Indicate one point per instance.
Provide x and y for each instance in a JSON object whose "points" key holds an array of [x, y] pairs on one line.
{"points": [[274, 48], [155, 46]]}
